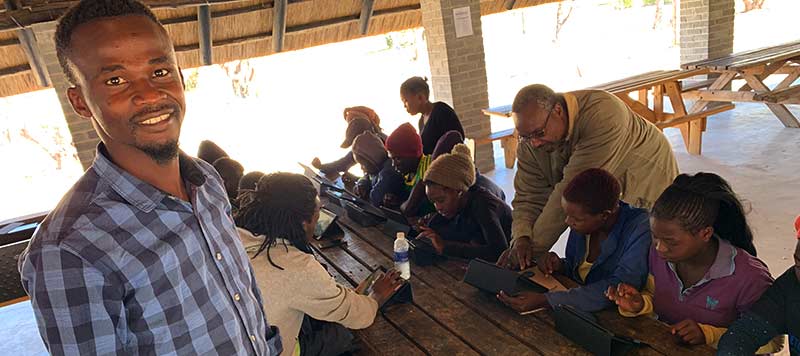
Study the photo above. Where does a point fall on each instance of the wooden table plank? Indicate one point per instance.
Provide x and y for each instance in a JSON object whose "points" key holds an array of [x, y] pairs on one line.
{"points": [[372, 246], [413, 322], [525, 329], [380, 338]]}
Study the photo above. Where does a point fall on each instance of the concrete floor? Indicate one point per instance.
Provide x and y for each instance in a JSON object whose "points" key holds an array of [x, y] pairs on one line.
{"points": [[748, 146]]}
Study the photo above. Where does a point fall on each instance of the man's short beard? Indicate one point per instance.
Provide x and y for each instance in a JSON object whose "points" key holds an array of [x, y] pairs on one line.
{"points": [[162, 153]]}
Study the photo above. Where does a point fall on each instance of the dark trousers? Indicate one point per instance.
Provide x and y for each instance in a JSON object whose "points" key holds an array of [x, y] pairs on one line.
{"points": [[324, 338]]}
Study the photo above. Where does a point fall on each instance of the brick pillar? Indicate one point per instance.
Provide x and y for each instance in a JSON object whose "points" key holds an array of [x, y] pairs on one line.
{"points": [[458, 69], [84, 138], [706, 29]]}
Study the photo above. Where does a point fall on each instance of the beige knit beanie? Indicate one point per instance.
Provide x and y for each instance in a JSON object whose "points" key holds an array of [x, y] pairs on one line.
{"points": [[453, 170]]}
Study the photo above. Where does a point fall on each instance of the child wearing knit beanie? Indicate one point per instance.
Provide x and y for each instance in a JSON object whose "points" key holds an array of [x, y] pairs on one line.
{"points": [[380, 178], [470, 221]]}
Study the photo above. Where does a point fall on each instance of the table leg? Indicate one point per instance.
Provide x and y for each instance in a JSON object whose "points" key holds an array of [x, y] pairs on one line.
{"points": [[787, 118]]}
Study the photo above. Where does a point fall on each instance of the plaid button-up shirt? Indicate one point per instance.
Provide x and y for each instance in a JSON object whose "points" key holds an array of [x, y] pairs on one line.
{"points": [[120, 267]]}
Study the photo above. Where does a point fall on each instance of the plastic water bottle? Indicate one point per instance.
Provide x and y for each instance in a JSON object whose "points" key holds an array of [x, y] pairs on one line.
{"points": [[401, 256]]}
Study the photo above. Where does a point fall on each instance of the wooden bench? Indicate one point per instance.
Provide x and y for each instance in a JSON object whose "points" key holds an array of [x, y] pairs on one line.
{"points": [[754, 67]]}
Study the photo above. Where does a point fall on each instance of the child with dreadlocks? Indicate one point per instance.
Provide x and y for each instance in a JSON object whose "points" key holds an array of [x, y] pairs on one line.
{"points": [[311, 310], [703, 269]]}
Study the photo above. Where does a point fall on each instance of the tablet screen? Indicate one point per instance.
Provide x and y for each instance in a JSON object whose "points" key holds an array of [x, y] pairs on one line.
{"points": [[325, 220]]}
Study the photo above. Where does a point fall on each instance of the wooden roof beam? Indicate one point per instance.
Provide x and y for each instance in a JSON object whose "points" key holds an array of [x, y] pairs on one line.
{"points": [[204, 34], [366, 15], [27, 40], [279, 24], [509, 4]]}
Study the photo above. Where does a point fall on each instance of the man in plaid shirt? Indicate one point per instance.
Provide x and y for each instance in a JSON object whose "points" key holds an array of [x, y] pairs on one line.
{"points": [[141, 256]]}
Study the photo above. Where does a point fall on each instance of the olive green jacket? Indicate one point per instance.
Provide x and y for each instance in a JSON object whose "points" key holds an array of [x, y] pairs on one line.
{"points": [[603, 133]]}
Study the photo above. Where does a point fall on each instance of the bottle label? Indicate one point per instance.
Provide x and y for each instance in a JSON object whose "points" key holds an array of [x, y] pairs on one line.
{"points": [[401, 256]]}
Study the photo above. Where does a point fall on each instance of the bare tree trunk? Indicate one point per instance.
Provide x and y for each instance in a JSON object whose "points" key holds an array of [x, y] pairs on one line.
{"points": [[657, 20], [561, 19]]}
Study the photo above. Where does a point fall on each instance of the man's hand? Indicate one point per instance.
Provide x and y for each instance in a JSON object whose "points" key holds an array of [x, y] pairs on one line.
{"points": [[384, 287], [391, 201], [435, 239], [552, 263], [316, 163], [520, 255], [524, 301], [627, 298], [689, 332]]}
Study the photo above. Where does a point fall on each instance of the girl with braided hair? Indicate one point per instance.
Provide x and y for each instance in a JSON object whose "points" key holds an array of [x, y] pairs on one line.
{"points": [[311, 310], [703, 269]]}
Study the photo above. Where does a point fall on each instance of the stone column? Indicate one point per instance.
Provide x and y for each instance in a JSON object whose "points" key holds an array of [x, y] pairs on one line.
{"points": [[458, 68], [706, 29], [84, 137]]}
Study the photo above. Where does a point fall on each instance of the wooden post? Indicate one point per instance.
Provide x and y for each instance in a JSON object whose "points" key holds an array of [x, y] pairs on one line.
{"points": [[205, 38], [366, 15], [279, 24], [28, 43]]}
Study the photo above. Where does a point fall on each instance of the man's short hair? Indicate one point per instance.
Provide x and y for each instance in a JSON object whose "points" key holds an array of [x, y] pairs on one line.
{"points": [[86, 11], [534, 93]]}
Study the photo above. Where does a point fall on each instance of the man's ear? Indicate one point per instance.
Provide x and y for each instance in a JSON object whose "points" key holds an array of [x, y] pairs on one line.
{"points": [[183, 82], [76, 99]]}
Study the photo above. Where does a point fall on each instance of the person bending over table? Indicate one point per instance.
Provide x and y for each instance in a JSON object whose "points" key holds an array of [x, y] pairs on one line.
{"points": [[380, 178], [608, 244], [776, 312], [435, 118], [470, 222], [355, 126], [703, 268], [275, 227], [563, 134]]}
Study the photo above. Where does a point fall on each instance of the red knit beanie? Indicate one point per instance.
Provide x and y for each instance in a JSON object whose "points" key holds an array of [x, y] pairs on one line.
{"points": [[404, 142], [797, 226]]}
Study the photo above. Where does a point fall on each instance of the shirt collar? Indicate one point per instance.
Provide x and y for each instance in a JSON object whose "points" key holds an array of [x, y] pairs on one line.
{"points": [[572, 112], [138, 193], [723, 265]]}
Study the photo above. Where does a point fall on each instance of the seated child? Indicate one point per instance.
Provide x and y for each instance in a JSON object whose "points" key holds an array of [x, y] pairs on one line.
{"points": [[703, 269], [608, 244], [275, 227], [380, 178], [470, 222]]}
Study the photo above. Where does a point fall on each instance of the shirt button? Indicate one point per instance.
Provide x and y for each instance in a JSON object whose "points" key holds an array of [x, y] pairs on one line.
{"points": [[236, 297], [252, 337], [219, 256]]}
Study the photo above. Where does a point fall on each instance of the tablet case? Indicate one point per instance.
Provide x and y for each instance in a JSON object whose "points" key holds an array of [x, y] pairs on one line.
{"points": [[395, 222], [327, 225], [361, 216], [582, 328], [488, 277], [403, 295]]}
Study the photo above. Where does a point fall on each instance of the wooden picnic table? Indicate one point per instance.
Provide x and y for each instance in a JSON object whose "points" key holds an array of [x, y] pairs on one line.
{"points": [[754, 67], [450, 317]]}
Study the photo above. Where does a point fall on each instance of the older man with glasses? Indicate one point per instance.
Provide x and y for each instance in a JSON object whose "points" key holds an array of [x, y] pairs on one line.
{"points": [[563, 134]]}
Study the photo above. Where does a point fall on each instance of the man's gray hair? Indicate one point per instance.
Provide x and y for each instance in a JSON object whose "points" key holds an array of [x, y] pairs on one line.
{"points": [[534, 93]]}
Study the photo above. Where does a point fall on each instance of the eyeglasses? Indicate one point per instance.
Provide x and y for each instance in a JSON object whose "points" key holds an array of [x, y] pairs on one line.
{"points": [[538, 133]]}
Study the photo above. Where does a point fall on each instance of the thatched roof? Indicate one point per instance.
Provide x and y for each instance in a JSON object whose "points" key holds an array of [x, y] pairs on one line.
{"points": [[240, 29]]}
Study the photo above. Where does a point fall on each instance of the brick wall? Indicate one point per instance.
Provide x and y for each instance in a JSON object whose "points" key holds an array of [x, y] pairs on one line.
{"points": [[84, 137], [458, 69], [706, 29]]}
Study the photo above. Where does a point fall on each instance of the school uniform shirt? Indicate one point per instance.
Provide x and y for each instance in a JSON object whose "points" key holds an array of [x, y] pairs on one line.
{"points": [[120, 267], [604, 133], [303, 287], [481, 230], [776, 312], [622, 259], [441, 120], [729, 288]]}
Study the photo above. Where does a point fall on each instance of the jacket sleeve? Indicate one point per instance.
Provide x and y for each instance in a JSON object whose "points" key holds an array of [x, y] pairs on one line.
{"points": [[746, 335], [492, 231], [388, 182], [340, 165], [324, 299], [631, 269], [531, 193], [600, 144]]}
